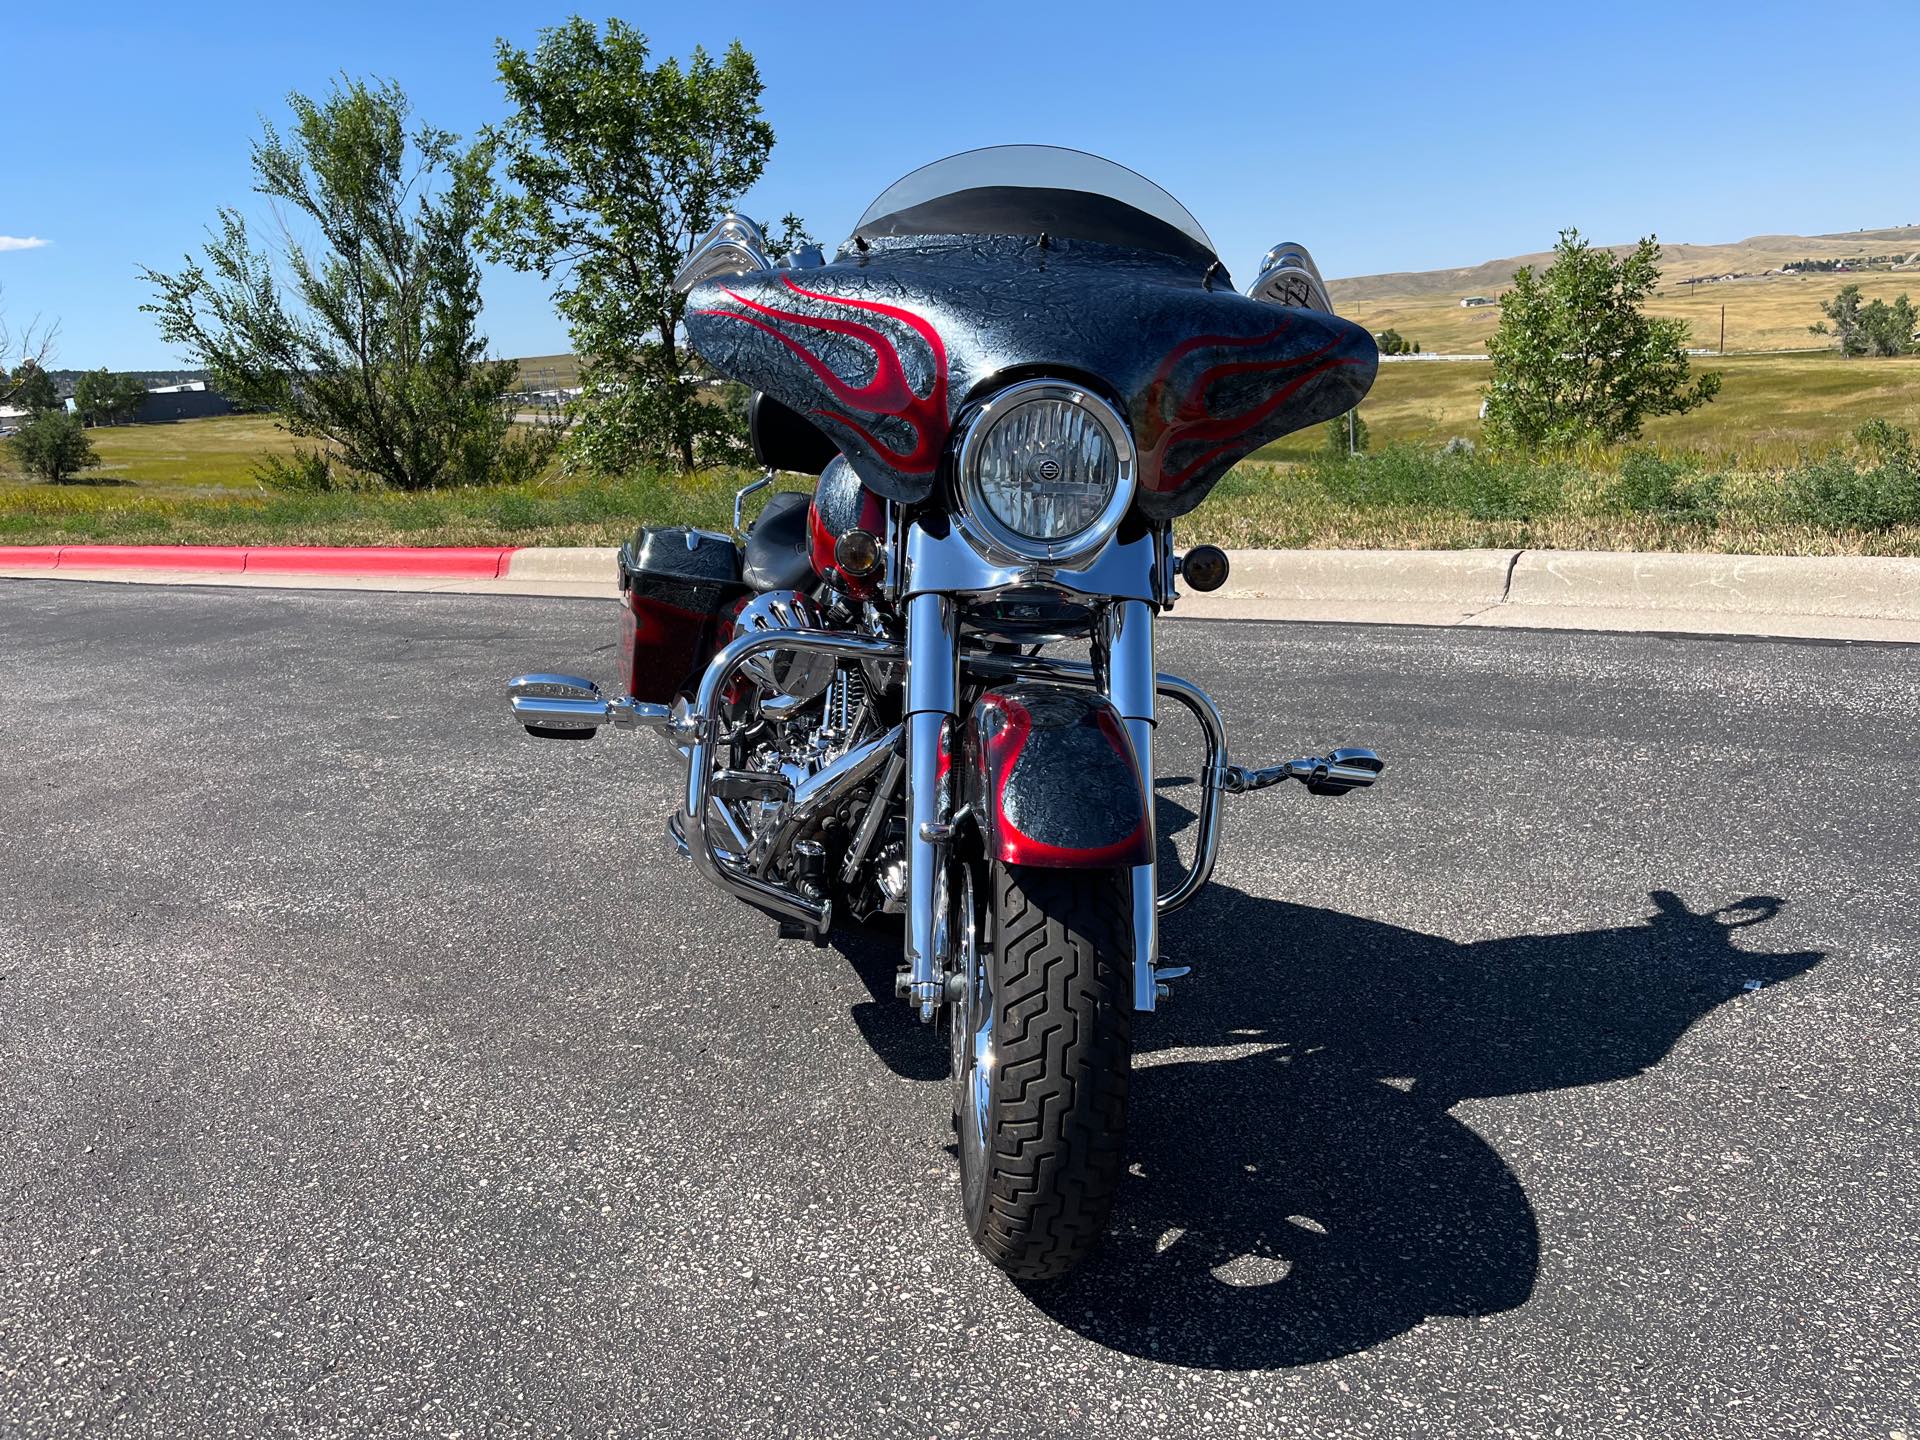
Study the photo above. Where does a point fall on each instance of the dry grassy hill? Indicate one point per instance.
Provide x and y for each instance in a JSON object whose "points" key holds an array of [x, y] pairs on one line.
{"points": [[1765, 309]]}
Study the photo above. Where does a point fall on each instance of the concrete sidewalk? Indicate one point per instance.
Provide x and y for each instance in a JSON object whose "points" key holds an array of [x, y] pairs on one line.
{"points": [[1814, 597]]}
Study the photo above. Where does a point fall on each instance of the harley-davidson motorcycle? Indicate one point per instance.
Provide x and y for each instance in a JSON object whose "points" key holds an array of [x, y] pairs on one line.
{"points": [[1024, 365]]}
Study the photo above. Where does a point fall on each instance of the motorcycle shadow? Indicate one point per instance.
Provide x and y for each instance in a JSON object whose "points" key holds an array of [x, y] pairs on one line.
{"points": [[1300, 1191]]}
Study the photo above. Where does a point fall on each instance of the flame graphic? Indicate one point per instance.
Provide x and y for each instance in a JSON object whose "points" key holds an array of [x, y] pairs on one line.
{"points": [[888, 393], [1191, 420]]}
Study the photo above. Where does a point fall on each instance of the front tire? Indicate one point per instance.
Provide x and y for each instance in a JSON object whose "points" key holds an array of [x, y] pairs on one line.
{"points": [[1042, 1049]]}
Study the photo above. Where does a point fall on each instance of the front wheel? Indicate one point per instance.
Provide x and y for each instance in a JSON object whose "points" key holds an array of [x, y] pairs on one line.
{"points": [[1042, 1040]]}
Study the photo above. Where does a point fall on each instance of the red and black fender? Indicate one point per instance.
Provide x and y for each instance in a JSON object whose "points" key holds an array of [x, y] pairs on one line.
{"points": [[1052, 780]]}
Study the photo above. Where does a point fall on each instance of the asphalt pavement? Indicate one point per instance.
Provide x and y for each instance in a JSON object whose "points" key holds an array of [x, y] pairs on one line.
{"points": [[369, 1068]]}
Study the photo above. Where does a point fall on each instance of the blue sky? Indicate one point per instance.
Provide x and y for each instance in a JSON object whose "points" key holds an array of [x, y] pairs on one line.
{"points": [[1386, 136]]}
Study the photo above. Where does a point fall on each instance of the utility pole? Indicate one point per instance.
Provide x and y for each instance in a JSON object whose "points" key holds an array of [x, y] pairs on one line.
{"points": [[1723, 329]]}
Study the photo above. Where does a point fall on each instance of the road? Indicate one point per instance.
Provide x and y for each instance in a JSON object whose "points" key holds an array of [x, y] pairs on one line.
{"points": [[370, 1069]]}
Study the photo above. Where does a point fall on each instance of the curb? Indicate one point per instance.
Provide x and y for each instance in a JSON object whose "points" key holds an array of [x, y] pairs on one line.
{"points": [[1811, 597], [439, 561]]}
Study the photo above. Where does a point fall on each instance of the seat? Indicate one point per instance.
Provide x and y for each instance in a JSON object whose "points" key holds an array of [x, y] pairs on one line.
{"points": [[777, 553]]}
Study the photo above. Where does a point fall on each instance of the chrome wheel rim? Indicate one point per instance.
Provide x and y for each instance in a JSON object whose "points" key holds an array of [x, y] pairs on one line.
{"points": [[973, 1053]]}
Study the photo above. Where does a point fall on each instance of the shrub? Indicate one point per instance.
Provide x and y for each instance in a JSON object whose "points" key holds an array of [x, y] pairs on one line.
{"points": [[54, 446], [1481, 487], [1649, 484], [302, 472], [1876, 487]]}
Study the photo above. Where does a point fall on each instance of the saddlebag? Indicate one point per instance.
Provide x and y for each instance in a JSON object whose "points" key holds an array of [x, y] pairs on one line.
{"points": [[681, 589]]}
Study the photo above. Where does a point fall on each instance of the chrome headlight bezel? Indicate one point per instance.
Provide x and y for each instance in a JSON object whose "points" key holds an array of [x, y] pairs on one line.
{"points": [[993, 536]]}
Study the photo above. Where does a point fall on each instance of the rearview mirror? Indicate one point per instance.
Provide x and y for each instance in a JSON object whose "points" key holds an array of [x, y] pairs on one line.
{"points": [[1288, 276]]}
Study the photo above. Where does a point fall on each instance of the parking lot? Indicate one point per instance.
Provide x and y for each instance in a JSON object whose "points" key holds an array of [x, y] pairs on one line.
{"points": [[369, 1068]]}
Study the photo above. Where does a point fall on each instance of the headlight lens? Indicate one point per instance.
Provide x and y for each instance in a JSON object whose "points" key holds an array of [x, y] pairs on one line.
{"points": [[1047, 470]]}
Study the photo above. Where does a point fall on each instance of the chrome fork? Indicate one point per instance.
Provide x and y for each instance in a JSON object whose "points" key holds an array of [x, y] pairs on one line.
{"points": [[933, 684], [1123, 662]]}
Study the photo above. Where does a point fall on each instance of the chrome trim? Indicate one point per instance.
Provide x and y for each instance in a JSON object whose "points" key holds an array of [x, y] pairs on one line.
{"points": [[949, 564], [740, 500], [570, 702], [875, 817], [1346, 769], [993, 536], [1288, 276], [933, 685], [736, 246], [823, 789], [1123, 657], [701, 731]]}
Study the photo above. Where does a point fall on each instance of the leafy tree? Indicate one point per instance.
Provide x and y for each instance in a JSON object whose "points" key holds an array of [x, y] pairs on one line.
{"points": [[1391, 342], [103, 398], [32, 388], [1869, 328], [1342, 441], [371, 344], [616, 166], [1576, 357], [54, 446]]}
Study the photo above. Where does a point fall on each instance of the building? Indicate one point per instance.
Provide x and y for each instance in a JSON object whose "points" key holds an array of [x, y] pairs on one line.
{"points": [[1473, 301], [191, 401]]}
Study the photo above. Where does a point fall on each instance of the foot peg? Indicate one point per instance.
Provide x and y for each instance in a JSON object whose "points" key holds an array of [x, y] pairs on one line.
{"points": [[1335, 774], [567, 707]]}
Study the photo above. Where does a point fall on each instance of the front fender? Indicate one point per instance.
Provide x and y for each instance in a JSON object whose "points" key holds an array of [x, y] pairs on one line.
{"points": [[1053, 781]]}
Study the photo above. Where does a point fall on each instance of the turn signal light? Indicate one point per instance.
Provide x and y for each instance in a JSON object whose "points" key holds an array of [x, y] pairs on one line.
{"points": [[857, 554], [1204, 567]]}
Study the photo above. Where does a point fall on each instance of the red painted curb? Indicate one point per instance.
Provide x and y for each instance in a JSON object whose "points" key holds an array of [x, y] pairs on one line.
{"points": [[474, 561], [454, 561], [177, 557], [20, 557]]}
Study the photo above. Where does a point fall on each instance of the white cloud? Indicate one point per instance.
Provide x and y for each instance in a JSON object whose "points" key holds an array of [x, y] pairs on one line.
{"points": [[21, 242]]}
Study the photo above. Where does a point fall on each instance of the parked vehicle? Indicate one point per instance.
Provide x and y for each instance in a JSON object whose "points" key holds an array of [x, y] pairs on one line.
{"points": [[1021, 369]]}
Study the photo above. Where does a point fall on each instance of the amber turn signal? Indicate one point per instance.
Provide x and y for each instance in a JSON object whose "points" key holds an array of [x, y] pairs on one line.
{"points": [[1204, 567], [857, 554]]}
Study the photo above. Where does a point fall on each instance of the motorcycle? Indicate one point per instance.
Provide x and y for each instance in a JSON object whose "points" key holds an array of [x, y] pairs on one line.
{"points": [[1022, 367]]}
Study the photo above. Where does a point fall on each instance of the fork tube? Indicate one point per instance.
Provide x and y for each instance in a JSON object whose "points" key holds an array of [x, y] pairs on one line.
{"points": [[1131, 683], [933, 664]]}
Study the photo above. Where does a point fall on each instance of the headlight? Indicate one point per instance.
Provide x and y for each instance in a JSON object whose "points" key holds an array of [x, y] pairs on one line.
{"points": [[1046, 471]]}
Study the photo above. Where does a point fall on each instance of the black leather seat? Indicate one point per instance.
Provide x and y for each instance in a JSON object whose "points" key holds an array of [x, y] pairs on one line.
{"points": [[777, 553]]}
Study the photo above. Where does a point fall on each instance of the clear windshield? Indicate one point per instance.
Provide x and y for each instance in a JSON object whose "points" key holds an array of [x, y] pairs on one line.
{"points": [[1030, 189]]}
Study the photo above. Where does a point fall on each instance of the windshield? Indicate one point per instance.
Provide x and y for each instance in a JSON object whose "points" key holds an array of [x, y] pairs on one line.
{"points": [[1034, 190]]}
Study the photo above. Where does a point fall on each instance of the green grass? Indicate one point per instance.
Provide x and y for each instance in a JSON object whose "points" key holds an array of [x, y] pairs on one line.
{"points": [[1773, 410], [1745, 474]]}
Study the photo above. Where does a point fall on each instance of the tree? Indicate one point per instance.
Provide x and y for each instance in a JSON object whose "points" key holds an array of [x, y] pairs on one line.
{"points": [[1873, 328], [1576, 357], [1844, 311], [371, 343], [1346, 434], [103, 398], [615, 167], [54, 446], [31, 348], [32, 388], [1391, 342]]}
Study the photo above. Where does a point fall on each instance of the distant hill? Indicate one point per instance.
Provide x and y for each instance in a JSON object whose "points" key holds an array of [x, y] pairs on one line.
{"points": [[1766, 309], [1680, 262]]}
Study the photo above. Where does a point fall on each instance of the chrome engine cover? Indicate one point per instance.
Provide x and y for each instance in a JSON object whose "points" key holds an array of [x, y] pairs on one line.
{"points": [[792, 677]]}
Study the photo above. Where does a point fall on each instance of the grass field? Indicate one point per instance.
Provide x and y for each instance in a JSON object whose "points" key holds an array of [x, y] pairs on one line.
{"points": [[193, 483], [1772, 409], [1765, 313]]}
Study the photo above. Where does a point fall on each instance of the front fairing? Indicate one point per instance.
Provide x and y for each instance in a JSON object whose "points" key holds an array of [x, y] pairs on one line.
{"points": [[885, 348]]}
